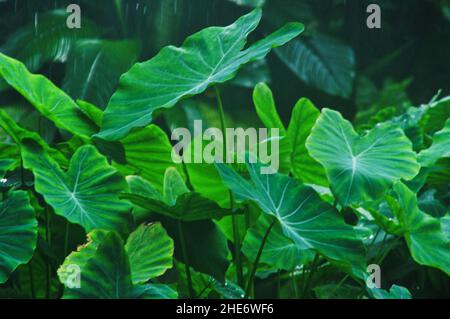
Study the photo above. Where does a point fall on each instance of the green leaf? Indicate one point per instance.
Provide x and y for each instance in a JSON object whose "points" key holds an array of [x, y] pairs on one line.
{"points": [[18, 233], [87, 194], [47, 98], [80, 257], [396, 292], [279, 251], [91, 111], [150, 251], [267, 112], [95, 66], [322, 62], [211, 56], [249, 3], [177, 202], [304, 218], [360, 168], [424, 235], [439, 149], [18, 133], [107, 275], [304, 167], [148, 153]]}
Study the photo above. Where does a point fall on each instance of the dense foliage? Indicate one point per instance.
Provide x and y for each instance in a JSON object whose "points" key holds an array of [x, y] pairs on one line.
{"points": [[91, 194]]}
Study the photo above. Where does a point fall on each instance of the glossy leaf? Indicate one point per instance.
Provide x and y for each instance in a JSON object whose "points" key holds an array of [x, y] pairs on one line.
{"points": [[87, 194], [396, 292], [360, 168], [18, 232], [211, 56], [304, 218], [439, 149]]}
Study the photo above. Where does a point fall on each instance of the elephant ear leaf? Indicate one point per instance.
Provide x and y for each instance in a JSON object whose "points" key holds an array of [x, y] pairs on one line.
{"points": [[360, 168], [425, 236], [309, 222], [150, 251], [46, 97], [396, 292], [86, 194], [439, 149], [211, 56], [18, 229]]}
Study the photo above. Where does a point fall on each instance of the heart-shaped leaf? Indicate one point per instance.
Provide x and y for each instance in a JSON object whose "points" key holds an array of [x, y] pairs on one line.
{"points": [[87, 194], [48, 99], [304, 218], [211, 56], [428, 243], [18, 232], [360, 168]]}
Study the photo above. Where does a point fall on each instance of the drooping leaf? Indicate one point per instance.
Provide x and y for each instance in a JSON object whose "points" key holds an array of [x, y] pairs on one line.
{"points": [[322, 62], [87, 194], [48, 99], [396, 292], [309, 222], [304, 167], [94, 68], [439, 149], [279, 251], [18, 133], [18, 232], [360, 168], [211, 56], [424, 234], [150, 251]]}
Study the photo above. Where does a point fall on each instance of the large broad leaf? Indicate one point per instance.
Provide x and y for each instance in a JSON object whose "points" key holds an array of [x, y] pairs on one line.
{"points": [[267, 112], [304, 218], [428, 243], [148, 153], [107, 275], [360, 168], [150, 251], [87, 194], [322, 62], [18, 233], [304, 167], [213, 55], [48, 99], [94, 68], [439, 149], [279, 251], [176, 202]]}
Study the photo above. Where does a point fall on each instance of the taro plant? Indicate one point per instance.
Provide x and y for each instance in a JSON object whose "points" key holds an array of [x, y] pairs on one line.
{"points": [[347, 197]]}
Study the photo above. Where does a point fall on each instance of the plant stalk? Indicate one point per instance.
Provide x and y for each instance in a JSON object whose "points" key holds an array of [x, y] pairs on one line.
{"points": [[186, 260], [258, 257]]}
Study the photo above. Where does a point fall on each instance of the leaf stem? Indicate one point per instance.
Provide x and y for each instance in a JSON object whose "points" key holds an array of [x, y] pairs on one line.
{"points": [[258, 257], [186, 260], [234, 220], [66, 238]]}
